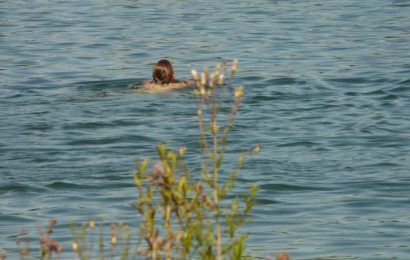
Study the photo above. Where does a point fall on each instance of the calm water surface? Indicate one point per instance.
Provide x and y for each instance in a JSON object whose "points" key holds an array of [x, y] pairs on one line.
{"points": [[327, 96]]}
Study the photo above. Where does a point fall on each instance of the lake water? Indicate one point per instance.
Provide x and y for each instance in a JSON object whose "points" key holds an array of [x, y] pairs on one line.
{"points": [[327, 96]]}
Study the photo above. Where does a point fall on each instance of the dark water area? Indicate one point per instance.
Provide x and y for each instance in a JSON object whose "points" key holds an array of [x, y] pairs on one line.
{"points": [[327, 96]]}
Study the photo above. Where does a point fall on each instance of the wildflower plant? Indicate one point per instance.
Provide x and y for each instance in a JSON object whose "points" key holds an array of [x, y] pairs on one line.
{"points": [[84, 241], [184, 216], [48, 244]]}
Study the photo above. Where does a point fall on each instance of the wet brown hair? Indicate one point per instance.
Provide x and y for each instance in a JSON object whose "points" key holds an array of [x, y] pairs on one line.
{"points": [[162, 72]]}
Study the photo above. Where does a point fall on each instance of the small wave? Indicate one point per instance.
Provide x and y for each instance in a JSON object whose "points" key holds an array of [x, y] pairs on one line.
{"points": [[351, 93], [266, 201], [404, 82], [15, 95], [389, 97], [117, 185], [288, 187], [375, 92], [383, 95], [266, 98], [293, 144], [15, 187], [285, 81], [101, 141], [88, 125], [349, 80], [111, 140], [251, 78], [109, 84], [403, 87], [62, 185]]}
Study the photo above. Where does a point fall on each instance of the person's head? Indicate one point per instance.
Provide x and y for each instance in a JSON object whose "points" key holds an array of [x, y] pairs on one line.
{"points": [[162, 72]]}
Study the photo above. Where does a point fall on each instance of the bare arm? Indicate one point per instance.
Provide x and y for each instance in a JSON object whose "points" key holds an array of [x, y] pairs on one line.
{"points": [[153, 86], [182, 84]]}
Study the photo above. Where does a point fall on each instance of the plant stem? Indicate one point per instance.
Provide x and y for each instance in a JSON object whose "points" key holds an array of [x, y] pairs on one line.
{"points": [[214, 132]]}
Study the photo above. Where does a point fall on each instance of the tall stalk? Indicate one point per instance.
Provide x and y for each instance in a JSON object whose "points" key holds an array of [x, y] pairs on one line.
{"points": [[192, 213]]}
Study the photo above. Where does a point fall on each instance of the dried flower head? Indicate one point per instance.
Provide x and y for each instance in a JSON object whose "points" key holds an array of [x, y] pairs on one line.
{"points": [[53, 221], [195, 75], [234, 66], [282, 256], [114, 233], [221, 79], [182, 151], [203, 79], [257, 148], [212, 80], [49, 244], [25, 251], [238, 92], [218, 69], [157, 172], [75, 245], [214, 127], [91, 223], [202, 91]]}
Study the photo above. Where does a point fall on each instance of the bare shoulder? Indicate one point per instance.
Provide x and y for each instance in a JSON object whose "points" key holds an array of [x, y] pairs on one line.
{"points": [[182, 84], [165, 88], [152, 85]]}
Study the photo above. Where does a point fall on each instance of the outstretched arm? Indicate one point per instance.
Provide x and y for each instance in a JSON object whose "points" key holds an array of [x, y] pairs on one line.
{"points": [[182, 84], [153, 86]]}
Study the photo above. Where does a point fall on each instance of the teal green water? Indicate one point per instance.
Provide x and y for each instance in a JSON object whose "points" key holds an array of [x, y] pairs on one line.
{"points": [[327, 96]]}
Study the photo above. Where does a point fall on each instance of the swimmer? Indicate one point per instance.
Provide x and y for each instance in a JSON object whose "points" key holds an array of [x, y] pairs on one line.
{"points": [[163, 78]]}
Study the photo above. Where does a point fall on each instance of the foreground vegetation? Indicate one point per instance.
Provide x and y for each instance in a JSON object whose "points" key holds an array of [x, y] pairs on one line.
{"points": [[183, 214]]}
